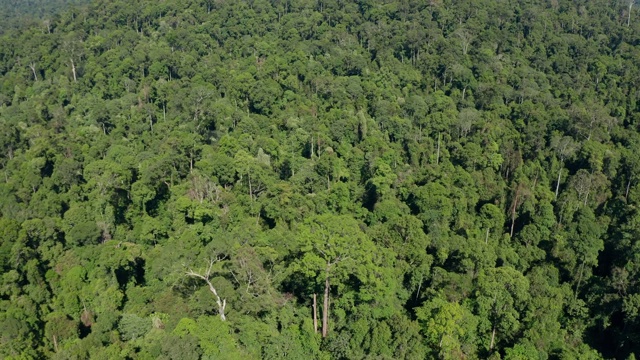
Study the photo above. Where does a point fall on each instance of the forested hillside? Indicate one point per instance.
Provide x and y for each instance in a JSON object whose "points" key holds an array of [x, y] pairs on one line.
{"points": [[16, 13], [447, 179]]}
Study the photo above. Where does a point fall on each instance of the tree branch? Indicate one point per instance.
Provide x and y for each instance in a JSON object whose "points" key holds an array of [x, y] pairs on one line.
{"points": [[222, 303]]}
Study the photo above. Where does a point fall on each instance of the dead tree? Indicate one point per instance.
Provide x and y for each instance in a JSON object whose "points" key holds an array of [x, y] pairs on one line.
{"points": [[222, 303], [32, 66]]}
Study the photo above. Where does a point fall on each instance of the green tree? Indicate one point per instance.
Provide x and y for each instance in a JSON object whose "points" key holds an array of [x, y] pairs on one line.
{"points": [[333, 247], [502, 296]]}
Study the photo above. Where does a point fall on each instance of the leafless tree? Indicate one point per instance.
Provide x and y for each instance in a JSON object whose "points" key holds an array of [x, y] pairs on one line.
{"points": [[32, 66], [222, 303]]}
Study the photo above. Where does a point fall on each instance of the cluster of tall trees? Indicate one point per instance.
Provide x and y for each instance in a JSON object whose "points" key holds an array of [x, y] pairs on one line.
{"points": [[322, 179]]}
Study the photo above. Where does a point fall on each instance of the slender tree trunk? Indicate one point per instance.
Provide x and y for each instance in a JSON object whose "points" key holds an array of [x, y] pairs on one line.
{"points": [[325, 308], [315, 314], [418, 292], [73, 69], [55, 343], [438, 151], [558, 182], [486, 238], [629, 14], [493, 337], [513, 215], [33, 69], [250, 189], [626, 193]]}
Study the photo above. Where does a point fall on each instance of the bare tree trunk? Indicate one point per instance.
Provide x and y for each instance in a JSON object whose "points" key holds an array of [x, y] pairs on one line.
{"points": [[73, 69], [513, 215], [315, 314], [33, 69], [486, 238], [558, 182], [250, 189], [222, 303], [629, 12], [438, 151], [493, 337], [325, 308], [626, 193], [55, 343]]}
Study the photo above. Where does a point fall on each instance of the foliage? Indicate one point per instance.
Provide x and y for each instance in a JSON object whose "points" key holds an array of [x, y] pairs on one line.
{"points": [[433, 179]]}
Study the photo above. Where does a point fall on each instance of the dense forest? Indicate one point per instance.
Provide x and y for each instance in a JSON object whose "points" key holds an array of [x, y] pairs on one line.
{"points": [[18, 13], [321, 179]]}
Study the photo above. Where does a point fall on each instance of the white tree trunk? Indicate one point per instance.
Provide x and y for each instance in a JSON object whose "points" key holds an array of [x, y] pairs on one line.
{"points": [[325, 308], [73, 69], [315, 314], [558, 182], [33, 69], [222, 303], [493, 338]]}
